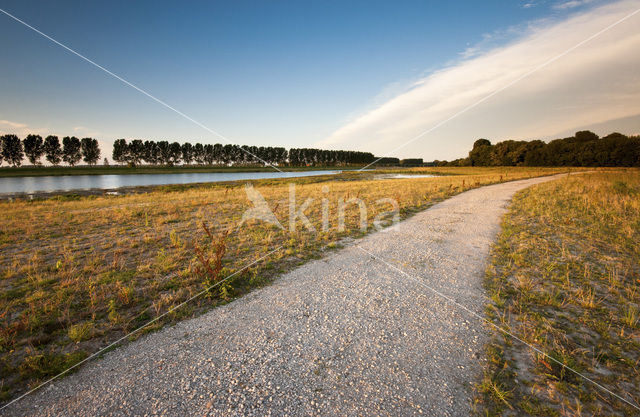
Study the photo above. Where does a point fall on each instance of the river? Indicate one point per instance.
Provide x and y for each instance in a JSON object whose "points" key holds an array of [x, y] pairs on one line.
{"points": [[28, 185]]}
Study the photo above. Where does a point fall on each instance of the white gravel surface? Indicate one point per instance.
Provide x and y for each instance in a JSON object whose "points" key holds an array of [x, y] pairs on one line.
{"points": [[344, 335]]}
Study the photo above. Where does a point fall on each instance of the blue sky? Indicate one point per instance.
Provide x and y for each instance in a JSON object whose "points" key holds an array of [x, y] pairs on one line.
{"points": [[292, 74]]}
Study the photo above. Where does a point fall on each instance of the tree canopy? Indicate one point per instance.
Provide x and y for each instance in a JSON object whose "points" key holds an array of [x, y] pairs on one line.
{"points": [[90, 150], [12, 150], [71, 150], [585, 148], [52, 150], [33, 148]]}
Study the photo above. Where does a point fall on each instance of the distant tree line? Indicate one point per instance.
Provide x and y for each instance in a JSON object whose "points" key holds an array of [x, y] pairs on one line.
{"points": [[412, 162], [138, 151], [387, 161], [310, 156], [585, 149], [13, 150]]}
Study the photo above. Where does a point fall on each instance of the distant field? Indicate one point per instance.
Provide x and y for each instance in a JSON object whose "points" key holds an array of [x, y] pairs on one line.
{"points": [[78, 272], [565, 277]]}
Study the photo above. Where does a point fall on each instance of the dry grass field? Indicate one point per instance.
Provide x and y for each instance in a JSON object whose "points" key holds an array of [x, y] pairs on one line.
{"points": [[79, 272], [565, 277]]}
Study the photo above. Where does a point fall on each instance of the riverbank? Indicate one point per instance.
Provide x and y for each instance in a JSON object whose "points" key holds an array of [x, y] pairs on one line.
{"points": [[84, 188]]}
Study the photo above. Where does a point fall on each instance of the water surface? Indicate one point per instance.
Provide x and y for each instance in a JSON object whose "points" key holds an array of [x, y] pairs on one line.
{"points": [[28, 185]]}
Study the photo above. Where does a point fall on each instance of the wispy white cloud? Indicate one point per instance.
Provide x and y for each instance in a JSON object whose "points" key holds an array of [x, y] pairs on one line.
{"points": [[499, 37], [571, 4], [594, 83], [20, 129], [12, 125], [23, 129], [530, 4], [86, 131]]}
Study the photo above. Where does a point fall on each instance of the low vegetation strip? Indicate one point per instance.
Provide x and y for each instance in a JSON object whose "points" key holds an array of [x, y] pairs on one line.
{"points": [[78, 273], [565, 277]]}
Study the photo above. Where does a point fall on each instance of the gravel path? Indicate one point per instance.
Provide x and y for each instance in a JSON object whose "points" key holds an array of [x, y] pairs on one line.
{"points": [[345, 335]]}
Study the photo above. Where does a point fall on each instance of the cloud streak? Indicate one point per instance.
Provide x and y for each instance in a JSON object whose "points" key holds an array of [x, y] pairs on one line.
{"points": [[593, 84], [571, 4], [20, 129]]}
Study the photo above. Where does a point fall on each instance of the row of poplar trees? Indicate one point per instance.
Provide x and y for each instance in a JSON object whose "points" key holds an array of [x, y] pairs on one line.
{"points": [[137, 152], [71, 151]]}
